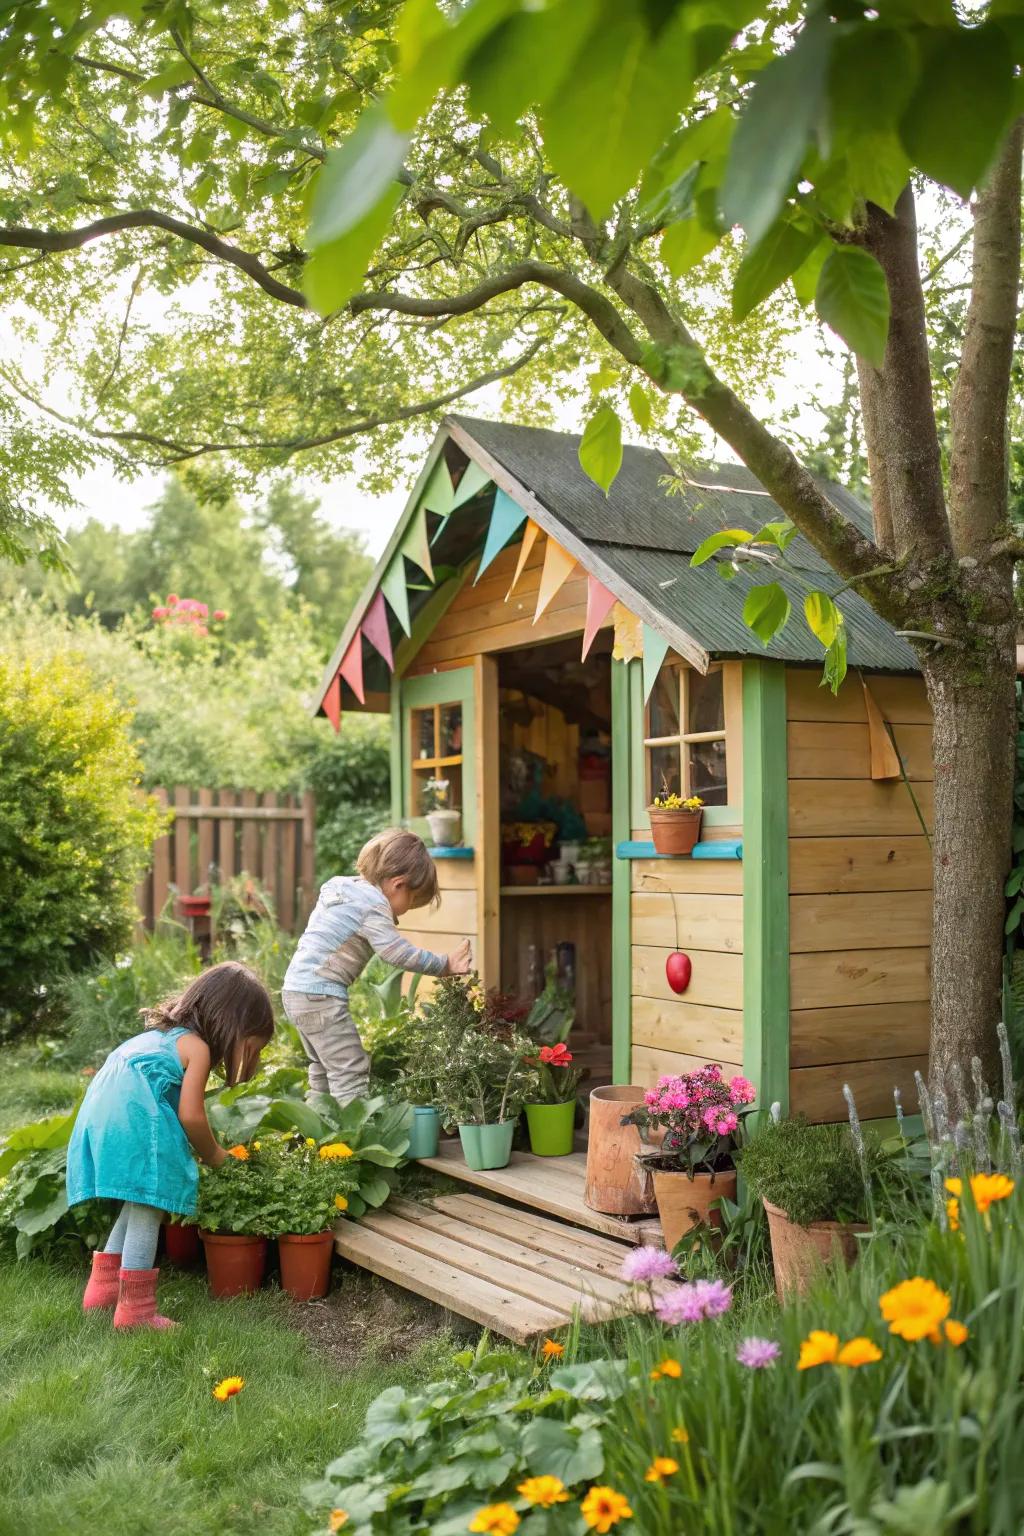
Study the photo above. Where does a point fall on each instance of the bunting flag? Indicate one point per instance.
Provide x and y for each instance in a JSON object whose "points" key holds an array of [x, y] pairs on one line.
{"points": [[351, 668], [506, 517], [558, 567], [438, 495], [473, 479], [530, 534], [375, 628], [332, 702], [416, 544], [885, 762], [655, 646], [393, 587], [600, 603], [628, 643]]}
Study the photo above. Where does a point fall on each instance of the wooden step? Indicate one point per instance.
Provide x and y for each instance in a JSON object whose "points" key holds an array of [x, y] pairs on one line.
{"points": [[516, 1273], [554, 1185]]}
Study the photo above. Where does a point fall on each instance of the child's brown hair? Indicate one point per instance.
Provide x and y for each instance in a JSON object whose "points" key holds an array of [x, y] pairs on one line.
{"points": [[225, 1006], [396, 854]]}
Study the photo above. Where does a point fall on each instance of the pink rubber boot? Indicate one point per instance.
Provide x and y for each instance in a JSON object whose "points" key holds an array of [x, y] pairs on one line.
{"points": [[101, 1291], [136, 1303]]}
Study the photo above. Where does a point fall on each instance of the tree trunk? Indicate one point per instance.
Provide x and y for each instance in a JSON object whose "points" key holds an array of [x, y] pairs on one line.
{"points": [[974, 751]]}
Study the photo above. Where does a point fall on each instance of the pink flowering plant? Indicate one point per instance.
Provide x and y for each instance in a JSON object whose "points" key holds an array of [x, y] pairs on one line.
{"points": [[701, 1114]]}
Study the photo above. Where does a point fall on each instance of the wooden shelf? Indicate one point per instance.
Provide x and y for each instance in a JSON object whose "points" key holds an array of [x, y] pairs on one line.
{"points": [[555, 890]]}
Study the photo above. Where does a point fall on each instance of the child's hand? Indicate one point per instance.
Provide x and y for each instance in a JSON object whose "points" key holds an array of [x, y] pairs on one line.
{"points": [[460, 961]]}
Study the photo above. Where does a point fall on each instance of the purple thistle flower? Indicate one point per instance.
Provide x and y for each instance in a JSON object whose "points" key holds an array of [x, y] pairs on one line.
{"points": [[645, 1265], [679, 1305], [756, 1353], [715, 1296]]}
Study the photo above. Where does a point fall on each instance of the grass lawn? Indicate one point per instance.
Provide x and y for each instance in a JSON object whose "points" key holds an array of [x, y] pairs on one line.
{"points": [[31, 1087]]}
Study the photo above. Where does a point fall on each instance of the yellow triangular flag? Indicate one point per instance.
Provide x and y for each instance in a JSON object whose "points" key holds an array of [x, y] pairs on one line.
{"points": [[629, 634], [558, 566], [530, 533]]}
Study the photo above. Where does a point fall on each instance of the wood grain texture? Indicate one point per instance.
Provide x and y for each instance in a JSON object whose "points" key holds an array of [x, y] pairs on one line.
{"points": [[690, 877], [817, 1092], [860, 920], [456, 874], [717, 978], [870, 1032], [819, 749], [859, 864], [649, 1065], [692, 1028], [902, 700], [840, 978], [857, 808], [545, 921], [687, 922], [456, 914]]}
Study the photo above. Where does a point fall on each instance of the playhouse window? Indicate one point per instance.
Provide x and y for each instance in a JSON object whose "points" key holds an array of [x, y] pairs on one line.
{"points": [[685, 735], [436, 737]]}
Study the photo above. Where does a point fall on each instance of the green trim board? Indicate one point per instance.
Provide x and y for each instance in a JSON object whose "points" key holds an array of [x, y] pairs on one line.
{"points": [[454, 687], [395, 752], [626, 680], [765, 883]]}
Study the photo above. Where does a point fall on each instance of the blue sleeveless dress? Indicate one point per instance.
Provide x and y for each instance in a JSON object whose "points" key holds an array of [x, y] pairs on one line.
{"points": [[127, 1142]]}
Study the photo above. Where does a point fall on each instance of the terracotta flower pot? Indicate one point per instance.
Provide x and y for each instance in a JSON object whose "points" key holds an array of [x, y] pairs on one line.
{"points": [[674, 831], [799, 1252], [615, 1184], [306, 1264], [235, 1265], [684, 1202], [181, 1244]]}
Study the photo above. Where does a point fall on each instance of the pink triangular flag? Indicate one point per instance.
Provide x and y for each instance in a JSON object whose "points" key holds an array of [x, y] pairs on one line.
{"points": [[558, 566], [530, 534], [351, 668], [375, 628], [332, 702], [600, 603]]}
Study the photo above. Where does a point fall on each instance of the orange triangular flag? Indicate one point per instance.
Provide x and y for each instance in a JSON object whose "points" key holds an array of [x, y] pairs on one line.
{"points": [[351, 668], [885, 763], [332, 702], [558, 567], [530, 533], [600, 603]]}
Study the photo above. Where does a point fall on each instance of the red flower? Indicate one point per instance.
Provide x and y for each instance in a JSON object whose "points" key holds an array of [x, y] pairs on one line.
{"points": [[556, 1055], [219, 614], [172, 598], [160, 613]]}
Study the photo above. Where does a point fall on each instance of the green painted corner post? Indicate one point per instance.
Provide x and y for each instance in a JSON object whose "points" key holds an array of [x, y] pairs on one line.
{"points": [[625, 679], [396, 753], [765, 883]]}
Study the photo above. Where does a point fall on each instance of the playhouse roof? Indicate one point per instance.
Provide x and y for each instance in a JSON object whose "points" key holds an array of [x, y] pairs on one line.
{"points": [[639, 538]]}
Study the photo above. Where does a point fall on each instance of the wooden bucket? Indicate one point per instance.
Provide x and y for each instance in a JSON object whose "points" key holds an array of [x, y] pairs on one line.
{"points": [[616, 1185]]}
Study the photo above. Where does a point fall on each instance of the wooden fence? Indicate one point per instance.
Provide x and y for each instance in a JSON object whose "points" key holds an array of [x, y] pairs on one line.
{"points": [[218, 834]]}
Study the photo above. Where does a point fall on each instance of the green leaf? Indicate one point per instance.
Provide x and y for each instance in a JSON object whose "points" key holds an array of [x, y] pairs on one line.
{"points": [[174, 74], [853, 298], [600, 451], [956, 116], [766, 265], [725, 538], [602, 379], [766, 610], [525, 59], [640, 407], [563, 1452], [835, 658], [770, 142], [805, 278], [822, 615], [357, 178], [871, 76], [335, 272], [684, 245], [781, 533]]}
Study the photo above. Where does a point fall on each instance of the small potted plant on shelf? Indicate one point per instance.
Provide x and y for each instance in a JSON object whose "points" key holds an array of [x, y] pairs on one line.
{"points": [[675, 821], [551, 1101], [233, 1220], [701, 1115], [445, 823], [307, 1191]]}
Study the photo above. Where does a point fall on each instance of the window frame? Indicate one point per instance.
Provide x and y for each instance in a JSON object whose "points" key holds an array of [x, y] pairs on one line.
{"points": [[685, 738], [432, 766], [720, 816], [453, 685]]}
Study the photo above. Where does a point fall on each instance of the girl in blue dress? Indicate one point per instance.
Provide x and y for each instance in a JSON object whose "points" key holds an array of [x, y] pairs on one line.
{"points": [[144, 1116]]}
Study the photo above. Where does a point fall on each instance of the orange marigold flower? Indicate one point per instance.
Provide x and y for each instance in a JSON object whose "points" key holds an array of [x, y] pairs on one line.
{"points": [[544, 1491], [819, 1348], [338, 1518], [915, 1308], [604, 1507], [242, 1153], [340, 1203], [953, 1213], [551, 1349], [229, 1387], [953, 1332], [669, 1367], [660, 1468], [987, 1188], [680, 1435], [859, 1351], [498, 1519]]}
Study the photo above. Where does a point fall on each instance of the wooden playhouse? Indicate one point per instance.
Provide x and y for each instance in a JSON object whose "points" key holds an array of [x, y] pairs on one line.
{"points": [[551, 653]]}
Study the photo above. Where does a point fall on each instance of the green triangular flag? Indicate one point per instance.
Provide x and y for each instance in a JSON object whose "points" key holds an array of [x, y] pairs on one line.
{"points": [[473, 479], [416, 544], [655, 647], [392, 584], [438, 495]]}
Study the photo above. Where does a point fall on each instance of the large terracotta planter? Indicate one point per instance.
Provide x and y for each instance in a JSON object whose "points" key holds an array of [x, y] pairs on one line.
{"points": [[798, 1253], [674, 832], [306, 1264], [181, 1244], [615, 1184], [235, 1265], [683, 1203]]}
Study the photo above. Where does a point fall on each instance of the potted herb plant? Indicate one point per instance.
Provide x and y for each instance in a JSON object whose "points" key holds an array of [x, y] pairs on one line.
{"points": [[445, 823], [307, 1190], [233, 1219], [551, 1104], [812, 1184], [701, 1115], [675, 821]]}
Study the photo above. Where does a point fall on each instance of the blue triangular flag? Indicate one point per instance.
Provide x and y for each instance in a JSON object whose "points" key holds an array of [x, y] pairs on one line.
{"points": [[655, 646], [506, 516]]}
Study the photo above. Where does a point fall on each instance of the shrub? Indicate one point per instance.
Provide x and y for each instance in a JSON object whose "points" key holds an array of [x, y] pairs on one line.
{"points": [[813, 1172], [350, 775], [74, 832]]}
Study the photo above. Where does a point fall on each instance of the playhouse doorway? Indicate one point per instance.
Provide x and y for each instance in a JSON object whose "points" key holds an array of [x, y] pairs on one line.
{"points": [[555, 757]]}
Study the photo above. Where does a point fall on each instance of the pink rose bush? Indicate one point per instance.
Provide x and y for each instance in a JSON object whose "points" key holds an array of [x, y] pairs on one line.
{"points": [[701, 1114], [186, 613]]}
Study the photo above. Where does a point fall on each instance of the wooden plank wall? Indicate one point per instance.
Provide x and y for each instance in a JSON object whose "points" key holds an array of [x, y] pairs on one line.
{"points": [[695, 906], [860, 897], [219, 834], [444, 929], [551, 736]]}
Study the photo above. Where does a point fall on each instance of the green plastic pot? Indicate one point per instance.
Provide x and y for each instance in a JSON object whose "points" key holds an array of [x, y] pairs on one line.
{"points": [[551, 1128], [424, 1132], [487, 1146]]}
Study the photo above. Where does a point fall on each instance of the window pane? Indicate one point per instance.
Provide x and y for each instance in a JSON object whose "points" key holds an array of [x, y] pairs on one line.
{"points": [[451, 730], [663, 710], [707, 771], [454, 777], [706, 706], [664, 770], [423, 733]]}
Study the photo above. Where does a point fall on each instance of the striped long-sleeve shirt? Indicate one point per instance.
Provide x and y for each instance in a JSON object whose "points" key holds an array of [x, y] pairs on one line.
{"points": [[351, 921]]}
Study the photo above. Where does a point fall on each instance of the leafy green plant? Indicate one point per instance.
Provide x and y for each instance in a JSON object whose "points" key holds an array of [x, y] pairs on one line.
{"points": [[34, 1213], [471, 1062], [276, 1186], [236, 1198], [553, 1011], [815, 1172], [387, 1023]]}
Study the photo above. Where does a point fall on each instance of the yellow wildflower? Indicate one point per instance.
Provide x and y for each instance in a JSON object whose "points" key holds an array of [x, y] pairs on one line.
{"points": [[660, 1468], [551, 1350], [229, 1387], [499, 1519], [818, 1348], [335, 1149], [680, 1435], [859, 1351], [256, 1146], [987, 1188], [310, 1141], [667, 1367], [915, 1308], [339, 1517], [602, 1508], [953, 1332], [341, 1203], [545, 1490]]}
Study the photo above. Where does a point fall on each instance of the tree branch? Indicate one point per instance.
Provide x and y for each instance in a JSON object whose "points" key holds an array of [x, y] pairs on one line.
{"points": [[978, 468], [57, 240]]}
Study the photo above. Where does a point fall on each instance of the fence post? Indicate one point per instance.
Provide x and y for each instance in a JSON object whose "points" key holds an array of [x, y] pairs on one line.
{"points": [[307, 899], [226, 839], [161, 863], [250, 838], [270, 870], [205, 797], [289, 878], [182, 842]]}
